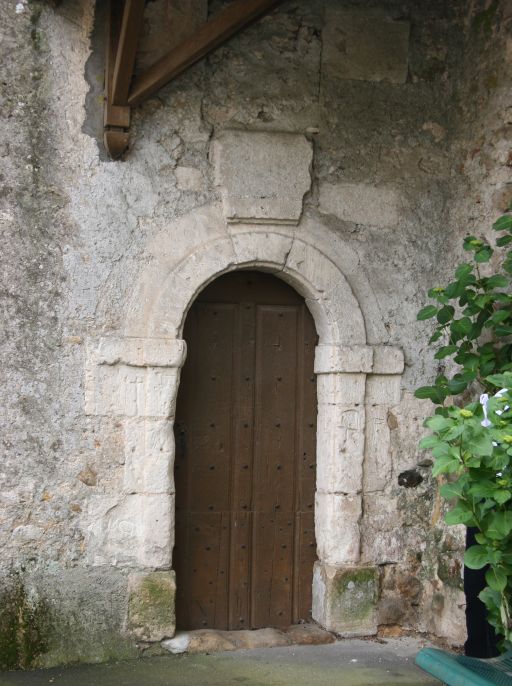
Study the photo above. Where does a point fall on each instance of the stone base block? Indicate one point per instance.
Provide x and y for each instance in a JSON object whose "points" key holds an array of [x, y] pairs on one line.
{"points": [[151, 610], [345, 599]]}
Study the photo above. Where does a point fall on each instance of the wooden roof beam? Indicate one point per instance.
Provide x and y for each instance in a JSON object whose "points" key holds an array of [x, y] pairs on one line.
{"points": [[126, 49], [216, 31], [123, 28]]}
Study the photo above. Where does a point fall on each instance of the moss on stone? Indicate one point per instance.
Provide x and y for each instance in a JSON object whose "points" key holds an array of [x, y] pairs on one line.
{"points": [[24, 625], [151, 605], [355, 590], [484, 20]]}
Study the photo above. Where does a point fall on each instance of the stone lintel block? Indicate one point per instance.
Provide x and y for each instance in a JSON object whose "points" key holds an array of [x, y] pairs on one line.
{"points": [[151, 605], [359, 203], [337, 518], [345, 599], [263, 175], [383, 389], [149, 456], [365, 45], [341, 389], [343, 359]]}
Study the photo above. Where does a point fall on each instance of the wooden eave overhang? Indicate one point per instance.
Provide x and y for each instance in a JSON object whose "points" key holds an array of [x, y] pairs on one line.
{"points": [[123, 91]]}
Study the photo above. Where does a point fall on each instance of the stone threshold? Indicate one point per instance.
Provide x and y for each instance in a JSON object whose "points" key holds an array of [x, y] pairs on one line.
{"points": [[212, 640]]}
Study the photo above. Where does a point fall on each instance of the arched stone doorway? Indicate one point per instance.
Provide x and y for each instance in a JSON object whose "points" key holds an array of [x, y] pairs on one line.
{"points": [[245, 434], [135, 377]]}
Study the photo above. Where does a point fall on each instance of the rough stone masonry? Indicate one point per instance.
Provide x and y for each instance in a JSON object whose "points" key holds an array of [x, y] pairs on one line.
{"points": [[346, 146]]}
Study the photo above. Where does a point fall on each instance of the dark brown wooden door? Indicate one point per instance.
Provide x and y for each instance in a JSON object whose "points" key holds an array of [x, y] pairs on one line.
{"points": [[245, 457]]}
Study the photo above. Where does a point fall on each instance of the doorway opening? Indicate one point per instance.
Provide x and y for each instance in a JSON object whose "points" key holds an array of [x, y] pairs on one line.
{"points": [[245, 465]]}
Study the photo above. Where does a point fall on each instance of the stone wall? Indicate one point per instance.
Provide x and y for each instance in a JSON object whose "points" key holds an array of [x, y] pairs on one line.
{"points": [[406, 106]]}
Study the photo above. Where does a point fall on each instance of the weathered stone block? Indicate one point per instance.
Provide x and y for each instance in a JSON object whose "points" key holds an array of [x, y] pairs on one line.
{"points": [[149, 453], [341, 389], [133, 376], [360, 203], [189, 178], [377, 458], [345, 599], [383, 389], [260, 247], [340, 448], [161, 390], [264, 176], [387, 360], [151, 606], [316, 268], [337, 532], [343, 358], [137, 531], [364, 45]]}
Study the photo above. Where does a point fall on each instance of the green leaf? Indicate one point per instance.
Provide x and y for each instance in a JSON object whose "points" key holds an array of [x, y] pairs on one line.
{"points": [[457, 385], [438, 423], [504, 223], [499, 525], [481, 445], [500, 380], [484, 254], [445, 464], [429, 442], [502, 496], [461, 326], [499, 316], [426, 312], [502, 330], [463, 270], [459, 515], [445, 314], [445, 351], [426, 392], [503, 240], [496, 281], [454, 289], [451, 490], [496, 578], [476, 557], [435, 336]]}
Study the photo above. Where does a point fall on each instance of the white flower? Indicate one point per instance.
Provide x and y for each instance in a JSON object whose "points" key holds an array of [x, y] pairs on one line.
{"points": [[484, 399]]}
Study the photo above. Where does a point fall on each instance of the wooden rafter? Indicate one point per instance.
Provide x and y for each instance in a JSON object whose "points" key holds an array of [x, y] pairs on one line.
{"points": [[122, 34], [215, 32], [127, 47], [124, 25]]}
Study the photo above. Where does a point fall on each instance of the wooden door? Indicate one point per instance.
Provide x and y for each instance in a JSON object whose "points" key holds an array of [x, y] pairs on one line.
{"points": [[245, 457]]}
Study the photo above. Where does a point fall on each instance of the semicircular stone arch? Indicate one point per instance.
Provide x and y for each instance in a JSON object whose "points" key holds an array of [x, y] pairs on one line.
{"points": [[135, 376]]}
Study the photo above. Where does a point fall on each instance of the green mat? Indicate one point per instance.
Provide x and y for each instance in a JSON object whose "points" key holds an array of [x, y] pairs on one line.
{"points": [[457, 670]]}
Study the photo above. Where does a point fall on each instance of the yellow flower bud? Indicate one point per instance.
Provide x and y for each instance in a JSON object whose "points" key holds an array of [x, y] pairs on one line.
{"points": [[466, 413]]}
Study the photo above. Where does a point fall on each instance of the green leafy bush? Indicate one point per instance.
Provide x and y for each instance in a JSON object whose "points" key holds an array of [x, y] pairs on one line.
{"points": [[474, 324], [474, 319]]}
